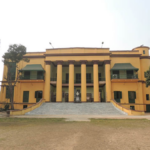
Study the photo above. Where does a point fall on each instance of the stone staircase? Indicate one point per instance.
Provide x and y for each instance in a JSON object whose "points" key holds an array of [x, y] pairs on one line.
{"points": [[76, 109]]}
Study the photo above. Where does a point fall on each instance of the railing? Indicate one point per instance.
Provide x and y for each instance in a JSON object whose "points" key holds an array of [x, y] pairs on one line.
{"points": [[128, 111], [125, 76], [89, 81], [25, 110], [31, 77], [65, 81], [77, 81], [53, 79], [101, 79]]}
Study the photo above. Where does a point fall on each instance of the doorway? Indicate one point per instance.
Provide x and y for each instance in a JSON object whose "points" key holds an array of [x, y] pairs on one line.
{"points": [[147, 108], [38, 95]]}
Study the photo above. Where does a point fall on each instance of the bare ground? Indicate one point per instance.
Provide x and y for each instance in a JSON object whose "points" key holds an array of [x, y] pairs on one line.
{"points": [[56, 134]]}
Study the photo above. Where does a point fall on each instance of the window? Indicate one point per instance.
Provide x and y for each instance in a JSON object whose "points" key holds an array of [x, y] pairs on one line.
{"points": [[99, 77], [40, 75], [78, 78], [38, 95], [117, 96], [131, 96], [116, 74], [129, 74], [88, 78], [25, 96], [132, 108], [143, 51], [147, 96], [25, 106], [67, 77], [27, 74], [8, 93]]}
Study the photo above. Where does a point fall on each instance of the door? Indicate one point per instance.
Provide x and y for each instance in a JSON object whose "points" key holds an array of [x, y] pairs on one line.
{"points": [[88, 78], [67, 77], [38, 95], [147, 108], [27, 75], [66, 97], [25, 96], [99, 77], [40, 75], [129, 74], [78, 78]]}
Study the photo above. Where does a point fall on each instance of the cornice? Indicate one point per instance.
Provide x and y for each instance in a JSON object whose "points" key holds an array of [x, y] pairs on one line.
{"points": [[79, 54], [125, 55], [34, 56], [107, 61], [145, 57]]}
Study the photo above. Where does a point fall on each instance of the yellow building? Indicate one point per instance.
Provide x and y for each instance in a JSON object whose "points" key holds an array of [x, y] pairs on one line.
{"points": [[94, 74]]}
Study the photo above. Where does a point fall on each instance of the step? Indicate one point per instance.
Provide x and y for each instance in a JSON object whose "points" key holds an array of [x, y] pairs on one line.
{"points": [[76, 109]]}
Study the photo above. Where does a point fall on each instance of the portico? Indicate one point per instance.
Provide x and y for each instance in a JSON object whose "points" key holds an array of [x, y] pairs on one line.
{"points": [[87, 77]]}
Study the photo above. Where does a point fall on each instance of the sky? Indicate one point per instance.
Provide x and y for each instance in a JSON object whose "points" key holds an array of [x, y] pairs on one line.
{"points": [[120, 24]]}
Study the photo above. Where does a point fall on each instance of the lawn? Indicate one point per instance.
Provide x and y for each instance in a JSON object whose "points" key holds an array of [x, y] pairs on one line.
{"points": [[57, 134]]}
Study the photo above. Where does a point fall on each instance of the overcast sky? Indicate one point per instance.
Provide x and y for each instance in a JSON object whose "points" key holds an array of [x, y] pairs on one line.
{"points": [[121, 24]]}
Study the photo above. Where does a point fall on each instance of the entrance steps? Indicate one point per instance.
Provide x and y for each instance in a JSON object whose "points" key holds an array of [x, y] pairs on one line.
{"points": [[76, 109]]}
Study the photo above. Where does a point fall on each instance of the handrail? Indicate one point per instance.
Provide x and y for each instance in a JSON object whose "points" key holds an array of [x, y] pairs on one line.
{"points": [[32, 77], [127, 110], [124, 76], [25, 110]]}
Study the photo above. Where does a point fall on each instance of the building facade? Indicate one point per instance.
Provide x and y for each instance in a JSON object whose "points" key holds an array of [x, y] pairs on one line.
{"points": [[91, 74]]}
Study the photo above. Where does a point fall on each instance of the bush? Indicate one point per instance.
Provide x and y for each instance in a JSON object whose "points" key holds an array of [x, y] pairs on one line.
{"points": [[6, 107]]}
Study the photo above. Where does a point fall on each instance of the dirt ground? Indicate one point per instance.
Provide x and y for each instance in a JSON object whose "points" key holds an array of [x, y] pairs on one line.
{"points": [[57, 134]]}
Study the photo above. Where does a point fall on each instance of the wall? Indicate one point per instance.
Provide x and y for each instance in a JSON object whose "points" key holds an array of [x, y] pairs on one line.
{"points": [[125, 87], [134, 61]]}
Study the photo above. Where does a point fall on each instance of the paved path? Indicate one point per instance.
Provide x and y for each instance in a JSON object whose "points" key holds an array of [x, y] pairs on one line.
{"points": [[85, 117]]}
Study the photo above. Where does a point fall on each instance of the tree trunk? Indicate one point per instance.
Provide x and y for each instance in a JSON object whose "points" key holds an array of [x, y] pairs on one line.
{"points": [[11, 97], [11, 103]]}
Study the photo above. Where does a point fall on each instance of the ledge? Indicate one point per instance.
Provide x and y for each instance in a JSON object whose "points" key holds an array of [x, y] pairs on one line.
{"points": [[124, 80], [31, 81], [25, 110], [128, 111]]}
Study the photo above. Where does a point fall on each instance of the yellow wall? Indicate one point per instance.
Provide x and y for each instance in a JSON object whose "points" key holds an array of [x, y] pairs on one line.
{"points": [[124, 86]]}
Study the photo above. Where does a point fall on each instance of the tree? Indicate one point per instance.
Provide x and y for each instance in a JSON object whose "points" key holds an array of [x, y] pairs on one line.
{"points": [[147, 76], [11, 58]]}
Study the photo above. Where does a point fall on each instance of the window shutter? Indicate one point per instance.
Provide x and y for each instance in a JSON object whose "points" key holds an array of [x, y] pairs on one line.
{"points": [[36, 93], [120, 95], [134, 95], [25, 96], [129, 95], [115, 94]]}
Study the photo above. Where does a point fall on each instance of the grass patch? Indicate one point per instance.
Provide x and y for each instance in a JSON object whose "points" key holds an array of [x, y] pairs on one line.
{"points": [[133, 123], [15, 122]]}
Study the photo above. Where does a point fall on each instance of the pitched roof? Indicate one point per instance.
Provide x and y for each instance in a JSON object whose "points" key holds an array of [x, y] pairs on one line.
{"points": [[33, 67], [123, 66]]}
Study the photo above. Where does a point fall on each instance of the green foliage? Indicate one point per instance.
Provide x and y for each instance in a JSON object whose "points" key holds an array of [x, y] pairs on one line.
{"points": [[14, 54], [147, 76], [11, 58]]}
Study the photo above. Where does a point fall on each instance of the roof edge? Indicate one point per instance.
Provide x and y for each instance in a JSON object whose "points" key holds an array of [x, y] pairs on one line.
{"points": [[140, 47], [76, 48]]}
